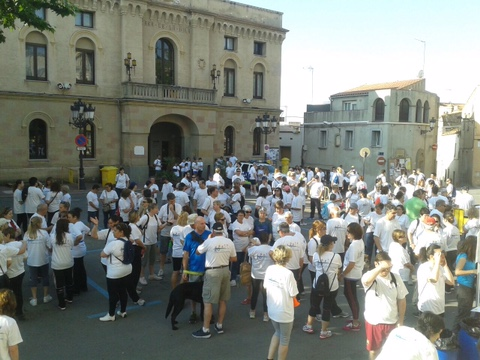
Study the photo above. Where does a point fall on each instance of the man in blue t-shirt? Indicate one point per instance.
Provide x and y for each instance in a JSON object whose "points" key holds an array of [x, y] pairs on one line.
{"points": [[194, 264]]}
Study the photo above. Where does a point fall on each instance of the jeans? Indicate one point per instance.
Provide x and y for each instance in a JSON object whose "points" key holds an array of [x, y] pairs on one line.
{"points": [[369, 245], [257, 287], [315, 203], [64, 285], [235, 267]]}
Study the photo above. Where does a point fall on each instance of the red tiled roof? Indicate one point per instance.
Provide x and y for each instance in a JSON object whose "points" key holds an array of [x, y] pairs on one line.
{"points": [[405, 84]]}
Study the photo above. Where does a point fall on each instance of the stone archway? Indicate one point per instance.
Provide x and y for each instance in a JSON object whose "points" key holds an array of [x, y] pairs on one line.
{"points": [[174, 137]]}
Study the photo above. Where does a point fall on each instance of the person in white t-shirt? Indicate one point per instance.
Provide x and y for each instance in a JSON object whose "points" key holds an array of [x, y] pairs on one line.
{"points": [[384, 228], [199, 197], [122, 180], [151, 225], [400, 259], [414, 344], [176, 233], [252, 177], [385, 303], [325, 261], [337, 227], [167, 188], [34, 198], [8, 326], [157, 164], [118, 273], [259, 256], [352, 272], [281, 290], [432, 276], [93, 204]]}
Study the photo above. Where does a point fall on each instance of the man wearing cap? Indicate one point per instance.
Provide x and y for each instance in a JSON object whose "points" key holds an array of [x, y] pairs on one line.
{"points": [[238, 176], [277, 181], [384, 228], [168, 214], [316, 190], [219, 251], [413, 205], [296, 242], [353, 216], [429, 235]]}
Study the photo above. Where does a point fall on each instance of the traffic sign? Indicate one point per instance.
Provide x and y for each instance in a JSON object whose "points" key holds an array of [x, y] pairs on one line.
{"points": [[266, 147], [81, 148], [81, 140], [381, 161]]}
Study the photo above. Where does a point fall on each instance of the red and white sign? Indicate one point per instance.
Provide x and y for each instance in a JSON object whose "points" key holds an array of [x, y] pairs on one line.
{"points": [[81, 140], [381, 161]]}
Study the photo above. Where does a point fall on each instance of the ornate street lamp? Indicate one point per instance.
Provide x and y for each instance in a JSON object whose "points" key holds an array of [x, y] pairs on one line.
{"points": [[267, 125], [215, 75], [129, 65], [81, 116]]}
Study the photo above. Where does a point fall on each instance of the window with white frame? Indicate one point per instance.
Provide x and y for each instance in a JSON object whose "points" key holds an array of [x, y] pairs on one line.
{"points": [[322, 141], [376, 138], [349, 105], [349, 139]]}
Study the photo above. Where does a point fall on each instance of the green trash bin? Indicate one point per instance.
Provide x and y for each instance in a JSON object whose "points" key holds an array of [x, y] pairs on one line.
{"points": [[108, 174]]}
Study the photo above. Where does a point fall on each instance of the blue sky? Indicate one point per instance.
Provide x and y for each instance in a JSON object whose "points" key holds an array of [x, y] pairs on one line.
{"points": [[349, 43]]}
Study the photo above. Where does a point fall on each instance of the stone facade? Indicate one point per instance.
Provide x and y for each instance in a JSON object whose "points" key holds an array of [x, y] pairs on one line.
{"points": [[168, 107], [390, 119]]}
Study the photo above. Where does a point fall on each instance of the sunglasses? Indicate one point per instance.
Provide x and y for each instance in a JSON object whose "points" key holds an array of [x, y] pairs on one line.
{"points": [[222, 219]]}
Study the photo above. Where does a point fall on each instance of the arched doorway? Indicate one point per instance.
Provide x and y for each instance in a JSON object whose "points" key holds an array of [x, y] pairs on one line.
{"points": [[165, 139]]}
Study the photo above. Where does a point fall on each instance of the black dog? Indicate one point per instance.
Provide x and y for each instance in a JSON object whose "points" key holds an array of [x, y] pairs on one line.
{"points": [[192, 291]]}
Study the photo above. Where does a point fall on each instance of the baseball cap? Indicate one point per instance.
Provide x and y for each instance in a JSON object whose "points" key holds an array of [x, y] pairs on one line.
{"points": [[429, 220], [286, 188], [217, 227], [191, 219], [354, 206], [326, 240]]}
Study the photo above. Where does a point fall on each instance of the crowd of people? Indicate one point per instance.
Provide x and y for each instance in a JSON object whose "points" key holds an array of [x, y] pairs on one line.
{"points": [[386, 238]]}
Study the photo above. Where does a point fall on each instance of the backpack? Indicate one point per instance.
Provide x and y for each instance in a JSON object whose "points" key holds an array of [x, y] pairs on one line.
{"points": [[325, 212], [144, 227], [322, 285], [242, 201], [128, 252], [336, 180], [394, 281], [345, 215]]}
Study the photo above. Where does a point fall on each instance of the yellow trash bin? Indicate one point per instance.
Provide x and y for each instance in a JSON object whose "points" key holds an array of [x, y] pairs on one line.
{"points": [[285, 165], [108, 174], [459, 214]]}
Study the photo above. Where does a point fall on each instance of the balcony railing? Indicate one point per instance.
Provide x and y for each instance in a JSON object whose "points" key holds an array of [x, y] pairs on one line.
{"points": [[168, 93]]}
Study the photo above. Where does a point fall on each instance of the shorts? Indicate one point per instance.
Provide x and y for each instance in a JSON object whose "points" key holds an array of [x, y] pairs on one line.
{"points": [[377, 334], [149, 255], [92, 214], [177, 263], [216, 286], [39, 272], [163, 244], [253, 182], [282, 331]]}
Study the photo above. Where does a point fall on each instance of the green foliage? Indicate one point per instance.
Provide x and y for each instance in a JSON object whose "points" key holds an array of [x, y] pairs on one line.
{"points": [[24, 11]]}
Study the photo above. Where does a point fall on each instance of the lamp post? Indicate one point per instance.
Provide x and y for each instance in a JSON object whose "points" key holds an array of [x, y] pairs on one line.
{"points": [[81, 116], [432, 126], [129, 65], [215, 75], [267, 125]]}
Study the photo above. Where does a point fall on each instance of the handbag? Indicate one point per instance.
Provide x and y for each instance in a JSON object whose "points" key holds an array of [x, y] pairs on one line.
{"points": [[106, 207], [245, 273]]}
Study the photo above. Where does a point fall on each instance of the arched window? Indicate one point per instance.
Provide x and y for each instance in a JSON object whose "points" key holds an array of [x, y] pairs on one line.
{"points": [[228, 141], [418, 112], [379, 110], [257, 140], [426, 112], [85, 61], [89, 132], [229, 75], [404, 110], [37, 139], [36, 56], [258, 81], [164, 62]]}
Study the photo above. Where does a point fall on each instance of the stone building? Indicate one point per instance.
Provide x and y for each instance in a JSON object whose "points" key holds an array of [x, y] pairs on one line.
{"points": [[169, 104], [392, 120]]}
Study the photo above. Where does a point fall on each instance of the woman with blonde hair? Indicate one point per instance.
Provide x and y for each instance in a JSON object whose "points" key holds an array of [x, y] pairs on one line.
{"points": [[281, 290], [37, 260], [10, 331], [318, 229], [176, 233]]}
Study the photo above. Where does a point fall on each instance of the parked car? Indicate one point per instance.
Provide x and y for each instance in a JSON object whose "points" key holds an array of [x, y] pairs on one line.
{"points": [[245, 166]]}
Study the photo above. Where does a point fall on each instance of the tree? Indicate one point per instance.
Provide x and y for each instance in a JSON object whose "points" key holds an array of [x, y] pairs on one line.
{"points": [[24, 10]]}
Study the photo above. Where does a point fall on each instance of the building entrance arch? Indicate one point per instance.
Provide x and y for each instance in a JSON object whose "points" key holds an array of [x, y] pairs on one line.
{"points": [[174, 137]]}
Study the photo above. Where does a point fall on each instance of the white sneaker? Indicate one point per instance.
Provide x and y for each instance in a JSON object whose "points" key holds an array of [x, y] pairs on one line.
{"points": [[122, 314], [47, 299], [142, 280], [233, 283], [107, 318], [140, 302], [155, 277], [160, 273], [33, 302]]}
